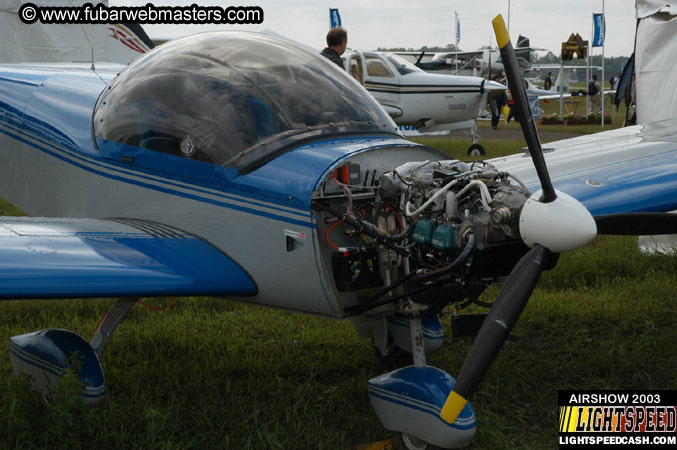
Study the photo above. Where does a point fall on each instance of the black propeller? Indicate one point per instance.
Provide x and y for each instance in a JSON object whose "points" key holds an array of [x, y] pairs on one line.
{"points": [[520, 284], [526, 119], [418, 60], [496, 328]]}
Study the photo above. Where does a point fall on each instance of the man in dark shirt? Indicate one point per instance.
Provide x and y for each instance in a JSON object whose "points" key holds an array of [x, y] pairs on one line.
{"points": [[337, 41], [547, 85]]}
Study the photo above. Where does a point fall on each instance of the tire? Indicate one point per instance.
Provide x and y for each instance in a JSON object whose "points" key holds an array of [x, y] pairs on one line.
{"points": [[476, 150], [404, 441]]}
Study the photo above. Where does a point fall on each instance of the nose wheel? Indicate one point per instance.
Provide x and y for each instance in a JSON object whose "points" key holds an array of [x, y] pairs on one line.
{"points": [[405, 441], [476, 150]]}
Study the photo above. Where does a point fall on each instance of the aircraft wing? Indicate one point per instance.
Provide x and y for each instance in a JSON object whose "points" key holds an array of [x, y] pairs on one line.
{"points": [[437, 56], [554, 96], [75, 258], [570, 94], [444, 54], [620, 171], [557, 67]]}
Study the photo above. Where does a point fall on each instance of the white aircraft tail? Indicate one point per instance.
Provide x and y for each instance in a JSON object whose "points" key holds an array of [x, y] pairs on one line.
{"points": [[37, 42], [562, 82]]}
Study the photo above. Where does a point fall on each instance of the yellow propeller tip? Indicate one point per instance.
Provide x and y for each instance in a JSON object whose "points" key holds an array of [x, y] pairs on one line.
{"points": [[502, 36], [453, 407]]}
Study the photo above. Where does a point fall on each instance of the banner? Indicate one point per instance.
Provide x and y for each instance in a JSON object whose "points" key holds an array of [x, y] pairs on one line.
{"points": [[600, 30], [334, 18], [458, 30]]}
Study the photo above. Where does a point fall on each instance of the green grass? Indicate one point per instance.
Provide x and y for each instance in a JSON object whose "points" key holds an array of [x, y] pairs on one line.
{"points": [[457, 148], [212, 374]]}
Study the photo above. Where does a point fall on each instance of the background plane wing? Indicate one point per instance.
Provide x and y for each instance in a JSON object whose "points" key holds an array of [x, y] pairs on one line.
{"points": [[554, 96], [74, 258], [443, 54], [557, 67]]}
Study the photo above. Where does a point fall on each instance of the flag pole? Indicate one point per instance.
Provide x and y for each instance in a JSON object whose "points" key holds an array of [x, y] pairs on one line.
{"points": [[603, 79], [589, 71], [456, 25]]}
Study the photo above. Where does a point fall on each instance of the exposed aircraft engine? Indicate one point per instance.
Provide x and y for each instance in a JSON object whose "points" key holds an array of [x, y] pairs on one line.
{"points": [[435, 232], [456, 211]]}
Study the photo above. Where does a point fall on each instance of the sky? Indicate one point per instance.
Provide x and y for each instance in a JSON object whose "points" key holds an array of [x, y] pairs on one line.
{"points": [[396, 23]]}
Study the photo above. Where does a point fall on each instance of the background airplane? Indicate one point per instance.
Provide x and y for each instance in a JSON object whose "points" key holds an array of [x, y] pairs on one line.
{"points": [[428, 102], [174, 177], [483, 63]]}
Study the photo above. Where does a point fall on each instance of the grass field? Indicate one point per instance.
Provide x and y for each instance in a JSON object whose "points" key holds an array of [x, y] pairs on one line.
{"points": [[213, 374]]}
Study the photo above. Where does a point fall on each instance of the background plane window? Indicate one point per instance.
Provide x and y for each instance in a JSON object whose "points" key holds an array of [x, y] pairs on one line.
{"points": [[403, 66], [232, 98], [377, 68]]}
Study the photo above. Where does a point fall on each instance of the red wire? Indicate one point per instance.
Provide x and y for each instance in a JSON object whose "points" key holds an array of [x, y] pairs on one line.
{"points": [[155, 308], [101, 323], [329, 231]]}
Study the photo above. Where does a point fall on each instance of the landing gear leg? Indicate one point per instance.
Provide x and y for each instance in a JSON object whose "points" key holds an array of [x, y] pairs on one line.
{"points": [[406, 441], [416, 335], [111, 320], [398, 396], [475, 149]]}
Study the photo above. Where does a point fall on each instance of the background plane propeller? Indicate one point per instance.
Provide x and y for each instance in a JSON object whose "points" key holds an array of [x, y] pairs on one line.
{"points": [[523, 278]]}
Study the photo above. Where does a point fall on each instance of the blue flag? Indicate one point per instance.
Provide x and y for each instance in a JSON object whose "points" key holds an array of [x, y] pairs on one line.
{"points": [[600, 30], [458, 30], [334, 18]]}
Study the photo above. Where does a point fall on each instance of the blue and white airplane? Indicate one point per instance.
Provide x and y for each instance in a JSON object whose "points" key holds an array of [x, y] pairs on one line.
{"points": [[240, 166]]}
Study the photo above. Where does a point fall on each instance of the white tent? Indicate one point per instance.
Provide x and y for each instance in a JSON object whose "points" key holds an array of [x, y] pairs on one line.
{"points": [[63, 42], [656, 71], [656, 60]]}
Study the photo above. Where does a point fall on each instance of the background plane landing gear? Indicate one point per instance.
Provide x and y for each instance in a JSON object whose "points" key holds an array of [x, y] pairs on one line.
{"points": [[476, 150]]}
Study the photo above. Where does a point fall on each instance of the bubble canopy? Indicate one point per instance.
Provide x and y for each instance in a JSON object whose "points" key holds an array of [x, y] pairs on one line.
{"points": [[233, 99]]}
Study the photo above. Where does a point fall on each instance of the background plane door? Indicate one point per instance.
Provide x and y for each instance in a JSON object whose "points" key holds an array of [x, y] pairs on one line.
{"points": [[381, 81], [354, 65]]}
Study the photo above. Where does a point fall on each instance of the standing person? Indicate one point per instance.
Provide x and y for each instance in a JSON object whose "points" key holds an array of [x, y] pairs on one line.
{"points": [[497, 103], [337, 41], [513, 111], [595, 93], [547, 84], [511, 104]]}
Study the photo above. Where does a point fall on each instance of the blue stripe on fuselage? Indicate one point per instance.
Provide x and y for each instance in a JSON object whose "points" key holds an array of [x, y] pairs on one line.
{"points": [[158, 188], [57, 120]]}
